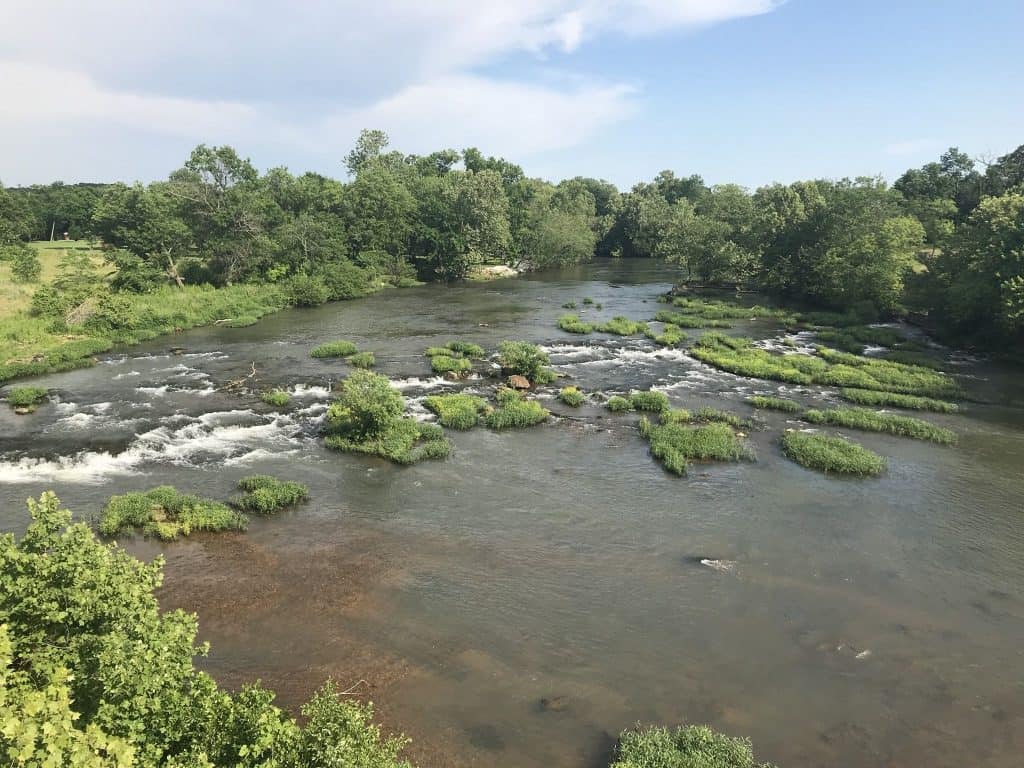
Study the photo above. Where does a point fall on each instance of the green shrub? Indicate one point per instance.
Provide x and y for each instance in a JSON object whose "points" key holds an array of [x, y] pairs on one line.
{"points": [[675, 444], [362, 360], [774, 403], [831, 454], [167, 514], [618, 404], [622, 326], [25, 266], [457, 411], [25, 397], [265, 495], [306, 291], [345, 280], [335, 349], [648, 401], [671, 336], [571, 396], [569, 305], [449, 364], [525, 359], [515, 411], [871, 421], [276, 397], [466, 348], [691, 746], [572, 324], [913, 402], [403, 441]]}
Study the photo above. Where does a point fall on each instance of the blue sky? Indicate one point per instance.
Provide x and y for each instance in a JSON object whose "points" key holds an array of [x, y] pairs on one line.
{"points": [[747, 91]]}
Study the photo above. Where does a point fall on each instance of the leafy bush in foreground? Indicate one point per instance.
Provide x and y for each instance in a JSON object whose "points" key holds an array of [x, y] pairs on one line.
{"points": [[572, 324], [871, 421], [831, 454], [265, 495], [94, 674], [571, 396], [774, 403], [335, 349], [456, 411], [276, 397], [690, 746], [167, 514], [525, 359], [25, 397], [913, 402]]}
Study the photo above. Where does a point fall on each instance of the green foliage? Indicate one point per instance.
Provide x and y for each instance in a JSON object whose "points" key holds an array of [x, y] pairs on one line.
{"points": [[443, 363], [675, 444], [587, 300], [276, 397], [264, 495], [466, 348], [362, 360], [25, 266], [306, 291], [648, 401], [871, 421], [569, 305], [618, 404], [572, 324], [622, 326], [335, 349], [403, 441], [571, 396], [457, 411], [25, 397], [831, 454], [774, 403], [525, 359], [680, 320], [93, 673], [724, 417], [515, 411], [671, 336], [691, 746], [164, 513], [869, 397]]}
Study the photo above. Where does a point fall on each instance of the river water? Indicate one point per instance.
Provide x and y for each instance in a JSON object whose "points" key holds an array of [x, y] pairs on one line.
{"points": [[859, 623]]}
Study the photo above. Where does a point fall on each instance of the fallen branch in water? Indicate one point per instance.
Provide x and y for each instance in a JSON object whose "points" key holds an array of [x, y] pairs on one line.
{"points": [[237, 383], [351, 691]]}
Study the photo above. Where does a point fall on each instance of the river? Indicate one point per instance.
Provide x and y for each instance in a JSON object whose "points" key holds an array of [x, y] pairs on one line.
{"points": [[862, 623]]}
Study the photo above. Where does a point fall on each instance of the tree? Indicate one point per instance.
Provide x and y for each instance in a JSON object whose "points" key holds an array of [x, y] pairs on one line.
{"points": [[25, 265], [368, 147]]}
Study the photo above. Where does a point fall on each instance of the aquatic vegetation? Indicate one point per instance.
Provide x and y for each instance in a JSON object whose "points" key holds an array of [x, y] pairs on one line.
{"points": [[448, 364], [853, 338], [622, 326], [676, 444], [588, 300], [618, 404], [872, 421], [690, 746], [671, 336], [572, 324], [831, 454], [404, 441], [166, 514], [716, 309], [828, 366], [456, 411], [525, 359], [335, 349], [681, 320], [774, 403], [724, 417], [25, 398], [264, 494], [571, 396], [515, 411], [569, 305], [913, 402], [276, 397], [466, 348], [362, 360], [649, 401]]}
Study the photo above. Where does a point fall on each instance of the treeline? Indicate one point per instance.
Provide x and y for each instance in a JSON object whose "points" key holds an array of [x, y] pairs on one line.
{"points": [[945, 240]]}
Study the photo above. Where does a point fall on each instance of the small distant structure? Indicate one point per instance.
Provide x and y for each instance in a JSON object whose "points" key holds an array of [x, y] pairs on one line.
{"points": [[66, 236]]}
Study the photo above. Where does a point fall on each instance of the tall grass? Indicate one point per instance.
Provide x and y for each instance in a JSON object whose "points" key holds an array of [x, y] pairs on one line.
{"points": [[774, 403], [26, 398], [276, 397], [622, 326], [515, 411], [335, 349], [572, 324], [449, 364], [571, 396], [265, 495], [167, 514], [689, 746], [831, 454], [456, 411], [362, 360], [871, 421], [676, 444], [913, 402]]}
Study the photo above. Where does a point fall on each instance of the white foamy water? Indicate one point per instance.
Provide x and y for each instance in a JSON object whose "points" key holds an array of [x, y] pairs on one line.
{"points": [[126, 375], [414, 382], [312, 391]]}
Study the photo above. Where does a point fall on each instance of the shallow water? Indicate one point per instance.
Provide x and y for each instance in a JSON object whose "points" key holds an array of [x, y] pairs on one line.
{"points": [[857, 623]]}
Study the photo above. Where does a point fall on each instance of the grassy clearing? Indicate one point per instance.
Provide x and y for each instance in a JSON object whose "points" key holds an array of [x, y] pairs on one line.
{"points": [[572, 324], [265, 495], [335, 349], [828, 366], [25, 399], [912, 402], [166, 514], [871, 421], [514, 411], [831, 454], [676, 444], [276, 397], [457, 411], [622, 326], [690, 746], [362, 360], [571, 396], [774, 403]]}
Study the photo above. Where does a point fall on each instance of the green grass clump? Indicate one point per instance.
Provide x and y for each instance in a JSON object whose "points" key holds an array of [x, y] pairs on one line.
{"points": [[723, 417], [690, 746], [335, 349], [456, 411], [649, 401], [853, 338], [913, 402], [569, 305], [515, 411], [774, 403], [572, 324], [404, 441], [571, 396], [622, 326], [362, 360], [618, 404], [588, 300], [276, 397], [167, 514], [264, 495], [681, 320], [25, 398], [449, 364], [466, 348], [872, 421], [716, 309], [831, 454], [676, 444], [671, 336]]}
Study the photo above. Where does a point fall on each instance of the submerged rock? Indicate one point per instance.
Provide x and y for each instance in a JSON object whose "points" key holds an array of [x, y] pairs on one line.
{"points": [[554, 703]]}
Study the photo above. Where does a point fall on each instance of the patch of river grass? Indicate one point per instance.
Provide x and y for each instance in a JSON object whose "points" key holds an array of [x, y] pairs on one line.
{"points": [[622, 326], [774, 403], [872, 421], [362, 360], [265, 495], [166, 514], [912, 402], [572, 324], [334, 349], [276, 397], [676, 444], [456, 411], [515, 411], [689, 746], [571, 396], [831, 454], [25, 399]]}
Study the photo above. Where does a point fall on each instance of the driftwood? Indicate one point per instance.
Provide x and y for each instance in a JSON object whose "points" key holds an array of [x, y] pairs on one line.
{"points": [[235, 384]]}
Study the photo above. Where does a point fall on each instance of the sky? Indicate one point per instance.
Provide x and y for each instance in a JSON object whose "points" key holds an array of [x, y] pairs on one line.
{"points": [[743, 91]]}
